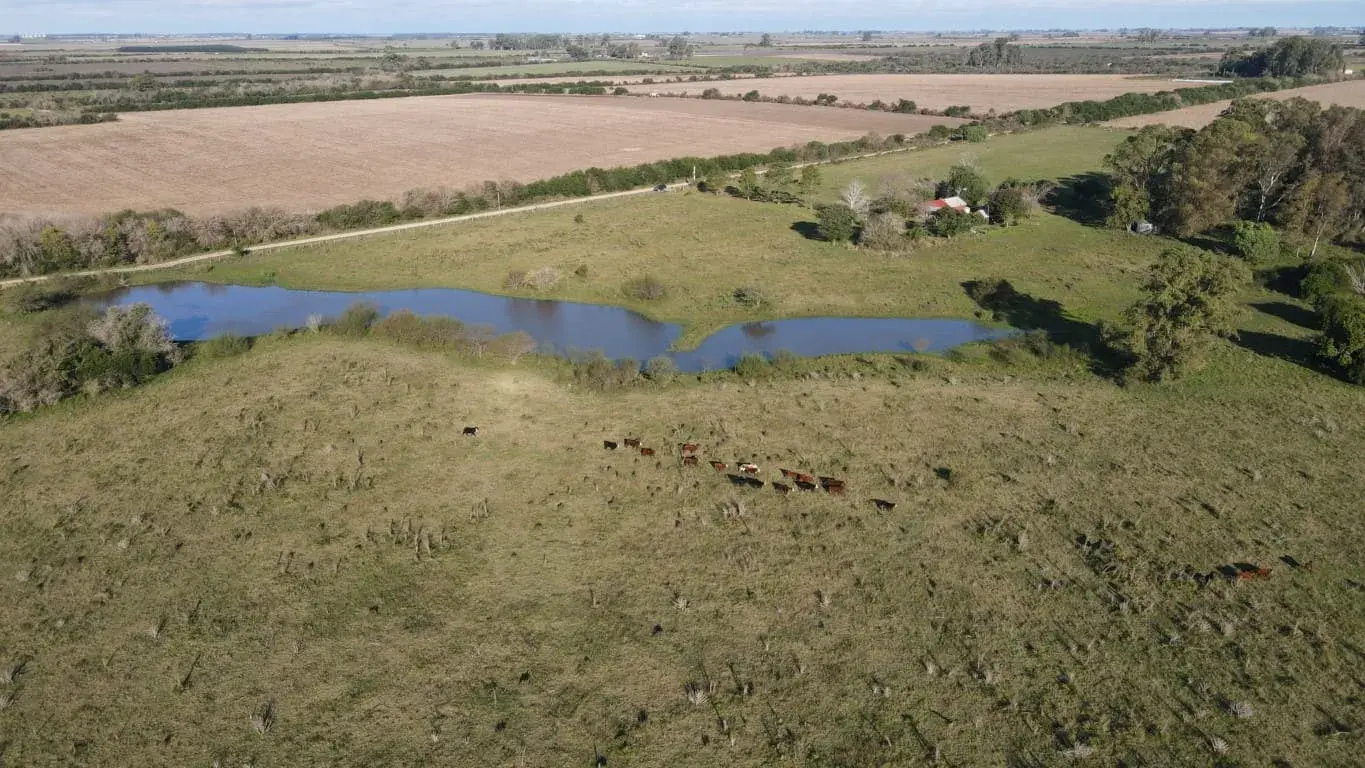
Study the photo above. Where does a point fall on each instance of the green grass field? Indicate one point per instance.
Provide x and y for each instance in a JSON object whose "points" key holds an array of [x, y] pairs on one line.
{"points": [[703, 247], [294, 557]]}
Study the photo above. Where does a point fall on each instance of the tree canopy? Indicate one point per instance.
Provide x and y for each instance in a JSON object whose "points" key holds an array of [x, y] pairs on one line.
{"points": [[1290, 57]]}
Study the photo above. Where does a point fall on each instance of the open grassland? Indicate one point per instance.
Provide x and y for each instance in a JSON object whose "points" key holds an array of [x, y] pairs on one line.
{"points": [[310, 156], [294, 557], [702, 247], [1348, 93], [982, 93]]}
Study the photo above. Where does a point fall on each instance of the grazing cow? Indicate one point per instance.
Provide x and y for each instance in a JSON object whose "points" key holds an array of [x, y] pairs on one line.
{"points": [[609, 445], [833, 485], [1256, 573], [471, 431], [805, 486], [720, 466], [807, 479], [790, 475], [646, 451], [689, 461], [782, 488], [749, 469], [632, 442], [689, 448], [884, 505]]}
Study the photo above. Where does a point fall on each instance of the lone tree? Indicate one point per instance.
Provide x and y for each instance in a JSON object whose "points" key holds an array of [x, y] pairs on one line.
{"points": [[855, 197], [766, 41], [1188, 301], [810, 179], [837, 223]]}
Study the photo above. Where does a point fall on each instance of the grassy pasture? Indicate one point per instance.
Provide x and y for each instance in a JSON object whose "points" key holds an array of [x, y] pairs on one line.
{"points": [[305, 527], [556, 68], [703, 247]]}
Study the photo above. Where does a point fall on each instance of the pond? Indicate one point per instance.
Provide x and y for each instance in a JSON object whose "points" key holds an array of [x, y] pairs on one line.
{"points": [[198, 311]]}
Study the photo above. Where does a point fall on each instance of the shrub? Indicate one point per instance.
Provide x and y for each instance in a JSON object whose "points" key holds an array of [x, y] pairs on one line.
{"points": [[1342, 343], [940, 132], [1256, 242], [516, 280], [356, 320], [647, 288], [661, 369], [543, 279], [1013, 200], [950, 223], [597, 372], [836, 223], [581, 272], [578, 218], [972, 133], [884, 232], [219, 347], [751, 96], [965, 182], [134, 329], [366, 213], [620, 91], [993, 294], [752, 366], [749, 296], [958, 111]]}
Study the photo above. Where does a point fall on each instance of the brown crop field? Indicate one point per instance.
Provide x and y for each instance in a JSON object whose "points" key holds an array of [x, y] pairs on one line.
{"points": [[311, 156], [1002, 93], [1350, 93]]}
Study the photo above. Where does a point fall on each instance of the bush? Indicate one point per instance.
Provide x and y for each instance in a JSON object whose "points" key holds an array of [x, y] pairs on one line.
{"points": [[134, 329], [1342, 343], [1013, 200], [661, 369], [950, 223], [749, 296], [958, 111], [752, 366], [1256, 242], [581, 272], [940, 132], [366, 213], [836, 223], [972, 133], [356, 320], [219, 347], [516, 280], [645, 288], [884, 232], [597, 372]]}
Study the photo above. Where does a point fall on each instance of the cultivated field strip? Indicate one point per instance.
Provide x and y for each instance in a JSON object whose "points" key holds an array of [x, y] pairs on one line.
{"points": [[1002, 93], [304, 157], [1350, 93]]}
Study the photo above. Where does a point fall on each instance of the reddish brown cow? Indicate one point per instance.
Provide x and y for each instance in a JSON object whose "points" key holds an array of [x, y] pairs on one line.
{"points": [[833, 485], [720, 466], [749, 469], [790, 475], [689, 448], [632, 442], [807, 479], [689, 461], [646, 451]]}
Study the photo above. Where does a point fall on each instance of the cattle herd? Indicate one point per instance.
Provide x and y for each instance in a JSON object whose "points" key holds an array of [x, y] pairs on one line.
{"points": [[746, 474]]}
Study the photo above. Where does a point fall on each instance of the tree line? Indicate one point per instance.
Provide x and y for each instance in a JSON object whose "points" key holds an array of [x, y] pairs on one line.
{"points": [[1267, 171], [1290, 57]]}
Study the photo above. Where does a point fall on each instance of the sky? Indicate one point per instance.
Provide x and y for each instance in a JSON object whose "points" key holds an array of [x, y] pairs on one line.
{"points": [[392, 16]]}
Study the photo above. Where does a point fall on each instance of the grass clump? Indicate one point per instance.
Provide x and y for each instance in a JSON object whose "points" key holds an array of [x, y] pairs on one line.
{"points": [[356, 320], [646, 288], [220, 347]]}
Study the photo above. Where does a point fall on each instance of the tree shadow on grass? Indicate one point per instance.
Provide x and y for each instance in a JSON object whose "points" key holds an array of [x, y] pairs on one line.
{"points": [[1029, 313], [1082, 198], [1301, 352], [1290, 313], [807, 229]]}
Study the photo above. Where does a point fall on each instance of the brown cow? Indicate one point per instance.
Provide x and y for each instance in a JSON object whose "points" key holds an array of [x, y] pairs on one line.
{"points": [[805, 486], [807, 479], [632, 442], [884, 505], [689, 461], [833, 485], [646, 451], [790, 475], [720, 466], [749, 469], [689, 448]]}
